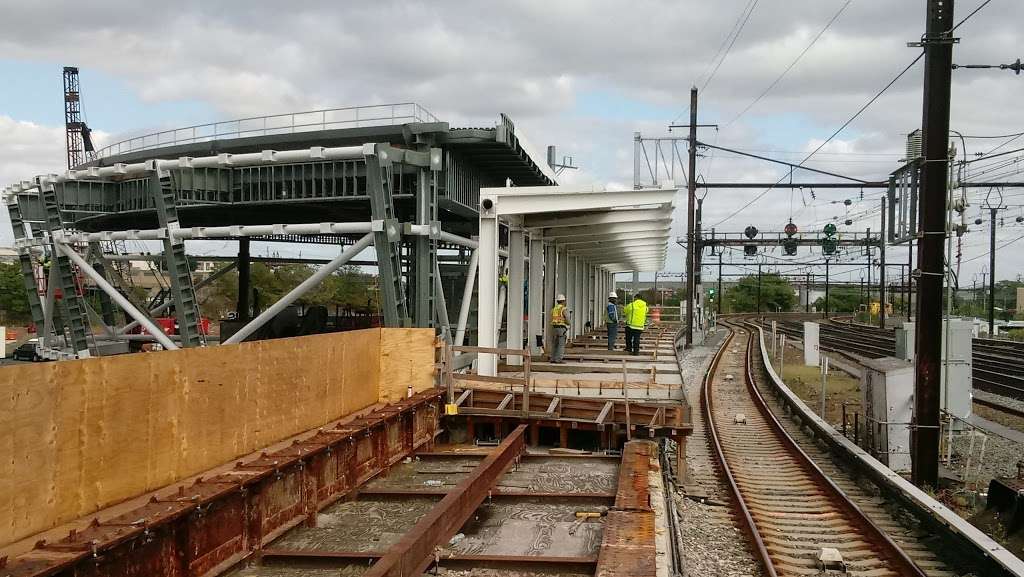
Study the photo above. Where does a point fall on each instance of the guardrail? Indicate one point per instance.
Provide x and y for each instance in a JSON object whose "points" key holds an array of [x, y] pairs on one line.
{"points": [[331, 118], [1000, 561]]}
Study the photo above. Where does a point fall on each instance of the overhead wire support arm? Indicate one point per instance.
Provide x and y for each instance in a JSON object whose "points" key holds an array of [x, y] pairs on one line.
{"points": [[783, 162]]}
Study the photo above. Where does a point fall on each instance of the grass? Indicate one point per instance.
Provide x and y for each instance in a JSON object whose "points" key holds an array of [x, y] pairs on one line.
{"points": [[806, 383]]}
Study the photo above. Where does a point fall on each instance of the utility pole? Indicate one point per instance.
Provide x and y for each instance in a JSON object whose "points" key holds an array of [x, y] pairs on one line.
{"points": [[807, 294], [992, 272], [938, 63], [691, 196], [720, 295], [881, 272], [826, 288], [759, 289]]}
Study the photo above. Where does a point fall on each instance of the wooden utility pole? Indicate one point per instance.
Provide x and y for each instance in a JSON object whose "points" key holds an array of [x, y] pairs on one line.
{"points": [[938, 64]]}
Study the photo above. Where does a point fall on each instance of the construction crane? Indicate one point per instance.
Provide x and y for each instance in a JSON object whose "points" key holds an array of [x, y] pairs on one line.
{"points": [[79, 136]]}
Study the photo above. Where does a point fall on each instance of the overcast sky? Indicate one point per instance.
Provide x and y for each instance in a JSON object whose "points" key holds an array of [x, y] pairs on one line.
{"points": [[583, 75]]}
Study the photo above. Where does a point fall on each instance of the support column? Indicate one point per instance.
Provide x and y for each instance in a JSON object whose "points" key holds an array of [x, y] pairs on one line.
{"points": [[535, 307], [99, 264], [425, 248], [570, 294], [881, 272], [636, 283], [441, 306], [516, 278], [487, 296], [244, 278], [938, 66], [186, 307], [22, 233], [681, 470], [467, 297], [551, 269], [65, 275], [387, 239], [691, 258]]}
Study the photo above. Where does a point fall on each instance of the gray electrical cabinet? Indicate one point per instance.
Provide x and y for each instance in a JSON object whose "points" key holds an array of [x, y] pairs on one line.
{"points": [[960, 389], [887, 399]]}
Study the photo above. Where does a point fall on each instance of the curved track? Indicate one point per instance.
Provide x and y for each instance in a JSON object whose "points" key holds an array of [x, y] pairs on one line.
{"points": [[790, 507]]}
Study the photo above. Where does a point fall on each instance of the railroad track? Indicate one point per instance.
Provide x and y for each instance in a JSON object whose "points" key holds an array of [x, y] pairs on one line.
{"points": [[789, 506], [997, 367]]}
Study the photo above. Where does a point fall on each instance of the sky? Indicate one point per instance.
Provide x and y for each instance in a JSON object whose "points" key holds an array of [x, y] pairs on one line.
{"points": [[582, 75]]}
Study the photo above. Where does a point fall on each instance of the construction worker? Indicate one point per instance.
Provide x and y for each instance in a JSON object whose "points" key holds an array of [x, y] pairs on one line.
{"points": [[559, 329], [613, 319], [635, 314]]}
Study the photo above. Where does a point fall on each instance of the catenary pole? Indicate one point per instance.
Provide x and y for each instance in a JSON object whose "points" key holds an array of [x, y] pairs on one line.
{"points": [[691, 196], [938, 63]]}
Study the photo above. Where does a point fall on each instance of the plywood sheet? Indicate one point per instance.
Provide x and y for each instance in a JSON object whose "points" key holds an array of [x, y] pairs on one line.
{"points": [[406, 360], [77, 436]]}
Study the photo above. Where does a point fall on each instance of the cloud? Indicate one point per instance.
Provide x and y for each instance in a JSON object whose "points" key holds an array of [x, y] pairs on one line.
{"points": [[468, 61]]}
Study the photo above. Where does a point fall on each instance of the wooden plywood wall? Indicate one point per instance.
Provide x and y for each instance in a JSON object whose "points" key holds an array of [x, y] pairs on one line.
{"points": [[406, 359], [77, 436]]}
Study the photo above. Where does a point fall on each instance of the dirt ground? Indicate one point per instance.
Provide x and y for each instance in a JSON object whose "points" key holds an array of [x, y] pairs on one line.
{"points": [[806, 383]]}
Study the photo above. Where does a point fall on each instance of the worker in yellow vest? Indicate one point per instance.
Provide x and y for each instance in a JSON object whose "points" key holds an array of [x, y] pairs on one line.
{"points": [[559, 329], [635, 315]]}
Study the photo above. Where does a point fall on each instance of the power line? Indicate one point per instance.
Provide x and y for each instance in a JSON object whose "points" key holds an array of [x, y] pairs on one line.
{"points": [[829, 139], [968, 17], [791, 64], [752, 4]]}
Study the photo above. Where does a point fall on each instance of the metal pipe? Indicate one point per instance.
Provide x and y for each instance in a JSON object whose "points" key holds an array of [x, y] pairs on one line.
{"points": [[306, 285], [441, 306], [118, 298], [200, 232], [467, 298]]}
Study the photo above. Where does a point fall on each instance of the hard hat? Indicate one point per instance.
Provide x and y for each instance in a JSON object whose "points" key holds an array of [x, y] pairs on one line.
{"points": [[613, 295], [559, 298]]}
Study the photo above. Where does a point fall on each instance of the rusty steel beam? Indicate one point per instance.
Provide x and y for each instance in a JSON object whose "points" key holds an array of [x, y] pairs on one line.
{"points": [[496, 493], [447, 559], [211, 525], [627, 544], [415, 551]]}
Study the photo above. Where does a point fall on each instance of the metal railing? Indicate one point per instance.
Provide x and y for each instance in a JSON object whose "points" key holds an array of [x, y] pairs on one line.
{"points": [[333, 118]]}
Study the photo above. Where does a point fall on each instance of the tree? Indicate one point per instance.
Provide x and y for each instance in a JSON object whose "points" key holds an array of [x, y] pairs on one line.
{"points": [[840, 300], [776, 294], [13, 300]]}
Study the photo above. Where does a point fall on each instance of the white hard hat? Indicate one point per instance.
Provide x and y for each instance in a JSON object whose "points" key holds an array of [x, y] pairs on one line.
{"points": [[613, 295], [559, 298]]}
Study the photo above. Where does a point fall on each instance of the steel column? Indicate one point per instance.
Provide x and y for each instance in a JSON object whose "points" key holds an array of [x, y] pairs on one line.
{"points": [[21, 232], [551, 269], [175, 261], [535, 293], [487, 295], [387, 238], [938, 59], [881, 271], [691, 195], [441, 305], [514, 298], [242, 310], [72, 302]]}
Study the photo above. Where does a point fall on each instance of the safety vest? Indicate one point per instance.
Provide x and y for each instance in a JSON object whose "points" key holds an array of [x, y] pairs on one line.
{"points": [[558, 316], [613, 313], [636, 314]]}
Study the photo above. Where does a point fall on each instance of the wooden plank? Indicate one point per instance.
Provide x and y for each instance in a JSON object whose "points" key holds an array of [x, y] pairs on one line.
{"points": [[407, 358], [489, 379], [553, 405], [603, 416], [504, 402]]}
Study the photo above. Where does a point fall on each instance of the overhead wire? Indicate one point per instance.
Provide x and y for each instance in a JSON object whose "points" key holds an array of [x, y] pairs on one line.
{"points": [[791, 64], [745, 16], [829, 139]]}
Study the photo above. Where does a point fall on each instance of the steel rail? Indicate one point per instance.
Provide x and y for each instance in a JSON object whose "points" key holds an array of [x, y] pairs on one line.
{"points": [[749, 526], [896, 555]]}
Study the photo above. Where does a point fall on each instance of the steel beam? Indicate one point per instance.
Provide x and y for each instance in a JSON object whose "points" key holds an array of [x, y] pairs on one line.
{"points": [[514, 291], [303, 287], [71, 302], [414, 553], [186, 307], [467, 298], [598, 218]]}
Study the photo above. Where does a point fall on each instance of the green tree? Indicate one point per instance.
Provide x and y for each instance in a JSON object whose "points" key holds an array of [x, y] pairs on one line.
{"points": [[840, 300], [13, 300], [776, 294]]}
